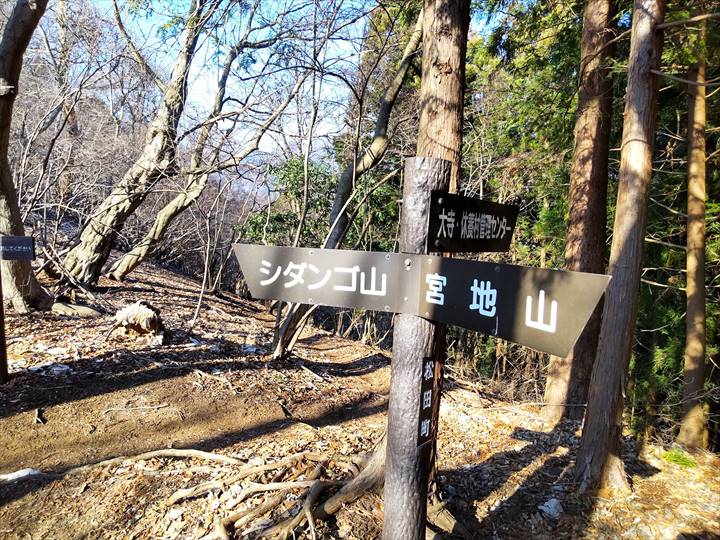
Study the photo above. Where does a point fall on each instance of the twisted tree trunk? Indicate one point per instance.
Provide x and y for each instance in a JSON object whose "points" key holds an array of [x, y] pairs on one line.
{"points": [[20, 287], [193, 189], [157, 160], [568, 378]]}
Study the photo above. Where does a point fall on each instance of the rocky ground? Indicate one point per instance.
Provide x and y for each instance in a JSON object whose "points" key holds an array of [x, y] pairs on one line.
{"points": [[81, 394]]}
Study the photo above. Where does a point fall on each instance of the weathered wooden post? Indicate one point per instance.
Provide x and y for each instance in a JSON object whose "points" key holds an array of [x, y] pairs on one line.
{"points": [[406, 463]]}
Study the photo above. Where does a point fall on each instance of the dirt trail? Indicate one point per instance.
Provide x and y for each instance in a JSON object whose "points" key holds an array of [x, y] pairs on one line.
{"points": [[79, 397]]}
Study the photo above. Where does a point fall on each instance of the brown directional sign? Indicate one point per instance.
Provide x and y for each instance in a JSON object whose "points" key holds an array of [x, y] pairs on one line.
{"points": [[14, 248], [464, 224], [543, 309]]}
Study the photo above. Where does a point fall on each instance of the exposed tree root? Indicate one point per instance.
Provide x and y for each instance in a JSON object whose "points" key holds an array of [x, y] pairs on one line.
{"points": [[164, 453], [307, 510], [369, 479], [245, 472], [278, 499]]}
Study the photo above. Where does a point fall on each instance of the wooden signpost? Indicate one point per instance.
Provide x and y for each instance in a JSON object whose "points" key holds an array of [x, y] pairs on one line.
{"points": [[12, 248], [540, 308]]}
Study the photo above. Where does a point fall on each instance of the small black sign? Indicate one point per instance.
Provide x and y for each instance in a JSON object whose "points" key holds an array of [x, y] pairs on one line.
{"points": [[463, 224], [17, 248], [427, 402], [543, 309]]}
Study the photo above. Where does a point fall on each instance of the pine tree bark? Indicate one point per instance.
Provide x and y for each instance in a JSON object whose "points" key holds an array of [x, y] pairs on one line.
{"points": [[20, 287], [157, 160], [599, 464], [568, 378], [693, 430]]}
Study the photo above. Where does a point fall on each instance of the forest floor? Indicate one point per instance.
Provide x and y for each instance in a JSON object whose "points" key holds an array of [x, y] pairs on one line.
{"points": [[80, 395]]}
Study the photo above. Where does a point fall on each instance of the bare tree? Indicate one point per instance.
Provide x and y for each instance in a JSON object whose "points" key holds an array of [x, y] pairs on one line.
{"points": [[20, 285], [157, 160], [199, 171], [339, 217]]}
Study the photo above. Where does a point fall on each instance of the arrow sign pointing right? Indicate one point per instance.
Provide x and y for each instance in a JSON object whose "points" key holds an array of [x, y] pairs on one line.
{"points": [[543, 309]]}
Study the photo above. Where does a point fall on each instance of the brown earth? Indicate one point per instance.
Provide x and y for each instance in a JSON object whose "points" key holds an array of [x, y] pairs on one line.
{"points": [[80, 395]]}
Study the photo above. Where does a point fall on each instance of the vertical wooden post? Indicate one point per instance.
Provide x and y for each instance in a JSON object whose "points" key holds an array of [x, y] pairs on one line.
{"points": [[406, 465], [4, 374], [442, 90]]}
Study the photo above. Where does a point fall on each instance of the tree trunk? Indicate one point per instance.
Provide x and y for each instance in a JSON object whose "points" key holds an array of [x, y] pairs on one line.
{"points": [[599, 464], [693, 430], [443, 82], [442, 94], [157, 160], [20, 287], [130, 260], [445, 29], [193, 189], [568, 378], [414, 340]]}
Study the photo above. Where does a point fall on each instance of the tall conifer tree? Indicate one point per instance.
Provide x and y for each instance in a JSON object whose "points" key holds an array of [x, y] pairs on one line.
{"points": [[568, 378], [599, 464]]}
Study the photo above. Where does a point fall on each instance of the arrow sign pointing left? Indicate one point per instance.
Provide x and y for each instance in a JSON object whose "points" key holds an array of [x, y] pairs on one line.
{"points": [[543, 309], [331, 277]]}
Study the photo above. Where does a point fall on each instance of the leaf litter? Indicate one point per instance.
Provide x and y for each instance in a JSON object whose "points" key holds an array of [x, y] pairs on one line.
{"points": [[502, 473]]}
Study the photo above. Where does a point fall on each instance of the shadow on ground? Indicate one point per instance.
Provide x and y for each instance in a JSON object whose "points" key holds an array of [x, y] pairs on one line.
{"points": [[489, 489]]}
